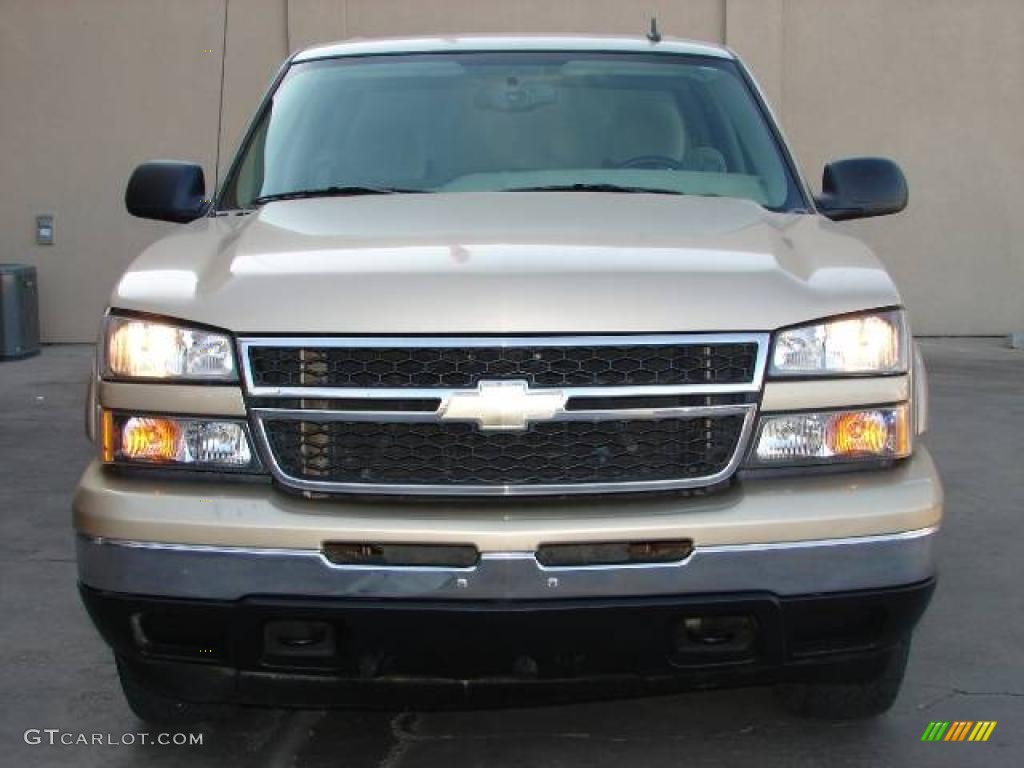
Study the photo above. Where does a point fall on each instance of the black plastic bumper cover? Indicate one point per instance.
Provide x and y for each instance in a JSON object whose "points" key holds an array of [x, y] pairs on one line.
{"points": [[386, 653]]}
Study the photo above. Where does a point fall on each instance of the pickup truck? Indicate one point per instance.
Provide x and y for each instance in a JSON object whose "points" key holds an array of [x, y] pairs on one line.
{"points": [[507, 368]]}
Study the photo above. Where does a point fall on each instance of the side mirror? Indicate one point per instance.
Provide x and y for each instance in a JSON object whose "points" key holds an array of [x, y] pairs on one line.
{"points": [[167, 190], [861, 187]]}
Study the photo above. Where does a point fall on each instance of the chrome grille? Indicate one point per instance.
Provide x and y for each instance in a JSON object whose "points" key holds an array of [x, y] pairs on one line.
{"points": [[595, 414]]}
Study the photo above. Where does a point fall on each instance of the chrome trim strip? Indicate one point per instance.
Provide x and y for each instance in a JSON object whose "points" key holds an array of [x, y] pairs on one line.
{"points": [[437, 416], [846, 541], [571, 340], [422, 393], [408, 489], [782, 568], [406, 342]]}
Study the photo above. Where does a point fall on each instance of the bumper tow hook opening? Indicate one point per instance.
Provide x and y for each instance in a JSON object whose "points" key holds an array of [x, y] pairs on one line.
{"points": [[299, 638], [700, 635]]}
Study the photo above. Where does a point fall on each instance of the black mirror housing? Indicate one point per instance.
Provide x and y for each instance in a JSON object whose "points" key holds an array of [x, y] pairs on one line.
{"points": [[167, 190], [862, 187]]}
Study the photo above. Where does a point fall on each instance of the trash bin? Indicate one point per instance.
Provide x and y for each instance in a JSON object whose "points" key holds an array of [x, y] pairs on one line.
{"points": [[19, 311]]}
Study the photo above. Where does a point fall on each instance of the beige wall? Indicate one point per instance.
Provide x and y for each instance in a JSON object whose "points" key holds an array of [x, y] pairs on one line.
{"points": [[939, 86], [89, 88]]}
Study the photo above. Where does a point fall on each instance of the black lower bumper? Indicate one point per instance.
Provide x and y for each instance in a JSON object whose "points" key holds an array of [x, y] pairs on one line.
{"points": [[296, 652]]}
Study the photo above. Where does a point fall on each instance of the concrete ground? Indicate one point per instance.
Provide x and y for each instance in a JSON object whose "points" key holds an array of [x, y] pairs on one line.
{"points": [[967, 663]]}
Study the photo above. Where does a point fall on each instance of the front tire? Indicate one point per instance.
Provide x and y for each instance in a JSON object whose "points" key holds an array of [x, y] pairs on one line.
{"points": [[156, 708], [848, 699]]}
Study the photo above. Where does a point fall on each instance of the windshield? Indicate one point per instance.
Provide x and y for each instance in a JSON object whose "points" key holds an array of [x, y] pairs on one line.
{"points": [[486, 122]]}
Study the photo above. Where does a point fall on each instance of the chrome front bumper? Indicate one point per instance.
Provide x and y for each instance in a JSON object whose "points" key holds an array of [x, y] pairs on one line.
{"points": [[230, 573]]}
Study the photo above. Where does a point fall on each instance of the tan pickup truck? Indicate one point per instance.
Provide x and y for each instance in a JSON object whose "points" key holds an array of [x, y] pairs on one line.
{"points": [[508, 367]]}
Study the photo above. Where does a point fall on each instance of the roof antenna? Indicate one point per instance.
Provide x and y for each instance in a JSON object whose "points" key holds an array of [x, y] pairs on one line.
{"points": [[653, 34]]}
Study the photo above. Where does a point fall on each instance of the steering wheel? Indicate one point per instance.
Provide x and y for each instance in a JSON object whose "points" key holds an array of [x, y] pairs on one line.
{"points": [[651, 162]]}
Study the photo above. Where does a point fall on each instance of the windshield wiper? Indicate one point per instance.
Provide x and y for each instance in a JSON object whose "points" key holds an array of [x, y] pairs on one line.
{"points": [[302, 194], [594, 188]]}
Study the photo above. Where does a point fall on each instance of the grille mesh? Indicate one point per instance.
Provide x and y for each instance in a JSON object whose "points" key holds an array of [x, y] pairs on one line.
{"points": [[540, 366], [568, 452]]}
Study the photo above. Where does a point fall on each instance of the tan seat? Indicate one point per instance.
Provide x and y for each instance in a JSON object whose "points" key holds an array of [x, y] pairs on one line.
{"points": [[646, 124], [649, 125]]}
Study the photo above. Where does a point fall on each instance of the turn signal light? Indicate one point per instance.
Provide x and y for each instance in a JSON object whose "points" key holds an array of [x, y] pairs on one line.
{"points": [[172, 441], [146, 439], [801, 438], [858, 432]]}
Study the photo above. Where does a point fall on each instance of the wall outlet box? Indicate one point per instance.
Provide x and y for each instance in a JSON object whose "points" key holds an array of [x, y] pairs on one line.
{"points": [[44, 230]]}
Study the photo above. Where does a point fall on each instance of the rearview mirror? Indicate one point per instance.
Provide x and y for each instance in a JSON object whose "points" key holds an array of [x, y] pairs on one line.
{"points": [[861, 187], [167, 190]]}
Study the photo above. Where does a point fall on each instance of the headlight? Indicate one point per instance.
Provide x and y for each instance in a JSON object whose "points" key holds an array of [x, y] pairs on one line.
{"points": [[173, 441], [816, 438], [872, 343], [151, 349]]}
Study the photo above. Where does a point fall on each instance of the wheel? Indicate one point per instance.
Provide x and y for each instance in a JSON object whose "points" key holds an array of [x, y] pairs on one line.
{"points": [[848, 699], [152, 707]]}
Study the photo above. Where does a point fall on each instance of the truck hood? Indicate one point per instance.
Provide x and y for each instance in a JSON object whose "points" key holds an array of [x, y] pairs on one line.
{"points": [[520, 262]]}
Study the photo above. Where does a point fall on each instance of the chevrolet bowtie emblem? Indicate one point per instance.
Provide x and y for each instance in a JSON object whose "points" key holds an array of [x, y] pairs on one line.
{"points": [[503, 405]]}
